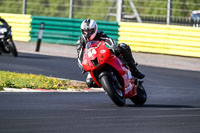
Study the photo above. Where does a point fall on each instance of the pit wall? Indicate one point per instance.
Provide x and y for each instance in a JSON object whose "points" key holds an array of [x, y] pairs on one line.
{"points": [[141, 37]]}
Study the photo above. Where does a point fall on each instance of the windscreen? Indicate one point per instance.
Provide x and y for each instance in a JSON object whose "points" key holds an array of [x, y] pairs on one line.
{"points": [[92, 44]]}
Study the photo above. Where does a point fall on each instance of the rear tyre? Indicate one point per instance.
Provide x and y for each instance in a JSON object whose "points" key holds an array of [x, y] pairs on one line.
{"points": [[141, 96], [110, 86]]}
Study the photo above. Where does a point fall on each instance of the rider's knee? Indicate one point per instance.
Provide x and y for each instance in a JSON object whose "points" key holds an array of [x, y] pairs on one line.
{"points": [[90, 82]]}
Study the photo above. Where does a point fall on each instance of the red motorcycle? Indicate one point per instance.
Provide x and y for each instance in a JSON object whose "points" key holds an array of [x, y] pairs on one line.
{"points": [[112, 73]]}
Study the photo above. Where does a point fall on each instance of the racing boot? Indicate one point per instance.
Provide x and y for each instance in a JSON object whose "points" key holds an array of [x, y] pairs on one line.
{"points": [[134, 71]]}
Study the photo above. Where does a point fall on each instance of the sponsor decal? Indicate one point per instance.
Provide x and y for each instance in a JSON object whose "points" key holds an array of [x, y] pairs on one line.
{"points": [[102, 51]]}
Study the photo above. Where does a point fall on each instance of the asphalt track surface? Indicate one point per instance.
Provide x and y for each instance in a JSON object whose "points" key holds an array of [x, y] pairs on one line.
{"points": [[173, 104]]}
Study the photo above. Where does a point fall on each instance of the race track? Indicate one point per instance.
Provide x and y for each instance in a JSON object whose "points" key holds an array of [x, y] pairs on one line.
{"points": [[173, 103]]}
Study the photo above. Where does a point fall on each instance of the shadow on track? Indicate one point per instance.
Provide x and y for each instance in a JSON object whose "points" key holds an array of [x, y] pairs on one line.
{"points": [[33, 56], [160, 106], [29, 56]]}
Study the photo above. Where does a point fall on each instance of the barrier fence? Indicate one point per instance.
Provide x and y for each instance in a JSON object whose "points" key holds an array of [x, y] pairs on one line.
{"points": [[65, 30], [152, 38], [21, 25], [164, 39]]}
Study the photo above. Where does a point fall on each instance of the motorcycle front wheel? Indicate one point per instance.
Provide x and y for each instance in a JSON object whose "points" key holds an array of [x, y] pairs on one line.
{"points": [[109, 85], [12, 48]]}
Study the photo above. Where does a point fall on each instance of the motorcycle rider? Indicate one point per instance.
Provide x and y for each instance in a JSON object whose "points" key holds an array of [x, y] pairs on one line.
{"points": [[3, 24], [89, 31]]}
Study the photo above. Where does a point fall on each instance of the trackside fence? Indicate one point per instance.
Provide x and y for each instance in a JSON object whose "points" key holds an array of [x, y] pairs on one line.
{"points": [[141, 37], [66, 30], [21, 25], [164, 39]]}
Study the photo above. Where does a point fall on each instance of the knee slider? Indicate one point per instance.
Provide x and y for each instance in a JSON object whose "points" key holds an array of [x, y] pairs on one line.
{"points": [[89, 82]]}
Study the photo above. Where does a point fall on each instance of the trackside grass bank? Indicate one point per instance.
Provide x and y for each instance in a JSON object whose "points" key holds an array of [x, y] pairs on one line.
{"points": [[23, 80]]}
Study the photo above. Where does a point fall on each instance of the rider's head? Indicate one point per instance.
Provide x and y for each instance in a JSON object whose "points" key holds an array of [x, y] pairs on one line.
{"points": [[89, 29]]}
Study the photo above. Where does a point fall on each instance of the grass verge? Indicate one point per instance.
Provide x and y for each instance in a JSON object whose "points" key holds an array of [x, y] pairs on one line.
{"points": [[23, 80]]}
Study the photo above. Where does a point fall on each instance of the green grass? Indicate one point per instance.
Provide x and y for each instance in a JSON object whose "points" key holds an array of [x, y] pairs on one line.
{"points": [[23, 80]]}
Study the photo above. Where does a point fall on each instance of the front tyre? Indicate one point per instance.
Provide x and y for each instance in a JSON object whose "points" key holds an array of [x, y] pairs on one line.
{"points": [[12, 48], [109, 84]]}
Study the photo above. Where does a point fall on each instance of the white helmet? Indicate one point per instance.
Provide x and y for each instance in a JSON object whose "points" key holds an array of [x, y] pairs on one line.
{"points": [[89, 29]]}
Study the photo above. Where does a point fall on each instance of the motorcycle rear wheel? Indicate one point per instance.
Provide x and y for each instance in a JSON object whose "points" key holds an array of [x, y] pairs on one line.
{"points": [[141, 96], [108, 84]]}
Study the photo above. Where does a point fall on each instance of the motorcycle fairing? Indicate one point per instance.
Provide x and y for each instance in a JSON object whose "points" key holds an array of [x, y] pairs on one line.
{"points": [[97, 56]]}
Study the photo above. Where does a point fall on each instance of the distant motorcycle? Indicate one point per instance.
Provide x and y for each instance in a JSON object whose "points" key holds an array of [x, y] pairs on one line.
{"points": [[112, 73], [6, 42]]}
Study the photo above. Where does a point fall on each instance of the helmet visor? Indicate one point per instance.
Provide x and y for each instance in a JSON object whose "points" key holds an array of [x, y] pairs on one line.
{"points": [[88, 32]]}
